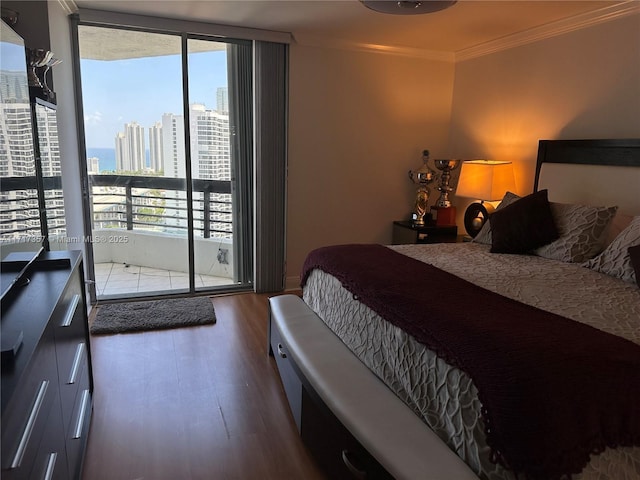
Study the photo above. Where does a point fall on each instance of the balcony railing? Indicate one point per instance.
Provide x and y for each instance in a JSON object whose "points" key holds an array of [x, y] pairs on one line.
{"points": [[20, 211], [155, 203], [127, 202]]}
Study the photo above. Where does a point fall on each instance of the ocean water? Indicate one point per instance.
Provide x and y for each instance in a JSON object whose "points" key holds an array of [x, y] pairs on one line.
{"points": [[107, 158]]}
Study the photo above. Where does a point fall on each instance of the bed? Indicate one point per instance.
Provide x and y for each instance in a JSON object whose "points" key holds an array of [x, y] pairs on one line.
{"points": [[528, 365]]}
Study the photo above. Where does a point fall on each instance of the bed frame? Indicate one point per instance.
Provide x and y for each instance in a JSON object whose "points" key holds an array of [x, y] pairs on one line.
{"points": [[356, 427], [580, 171]]}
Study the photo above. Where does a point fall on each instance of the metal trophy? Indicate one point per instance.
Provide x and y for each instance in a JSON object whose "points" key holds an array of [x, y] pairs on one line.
{"points": [[446, 214], [422, 177]]}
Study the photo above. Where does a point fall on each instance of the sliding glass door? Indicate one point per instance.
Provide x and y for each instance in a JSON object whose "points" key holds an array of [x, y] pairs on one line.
{"points": [[166, 206]]}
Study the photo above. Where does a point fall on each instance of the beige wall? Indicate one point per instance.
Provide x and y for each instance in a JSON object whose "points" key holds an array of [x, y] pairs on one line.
{"points": [[358, 122], [584, 84]]}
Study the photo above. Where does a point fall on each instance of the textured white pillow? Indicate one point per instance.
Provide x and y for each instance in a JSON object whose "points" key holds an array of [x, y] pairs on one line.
{"points": [[615, 259], [581, 229], [484, 235]]}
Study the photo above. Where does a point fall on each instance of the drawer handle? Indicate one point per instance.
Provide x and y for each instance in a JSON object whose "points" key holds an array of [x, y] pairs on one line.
{"points": [[75, 367], [355, 471], [77, 432], [51, 465], [281, 351], [31, 422], [68, 318]]}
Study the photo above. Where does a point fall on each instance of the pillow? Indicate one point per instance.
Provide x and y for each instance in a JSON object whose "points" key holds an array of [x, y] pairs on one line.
{"points": [[634, 255], [581, 230], [619, 222], [484, 235], [524, 225], [615, 259]]}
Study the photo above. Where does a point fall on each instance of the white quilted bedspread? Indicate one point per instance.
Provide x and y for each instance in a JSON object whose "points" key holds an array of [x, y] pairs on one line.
{"points": [[445, 397]]}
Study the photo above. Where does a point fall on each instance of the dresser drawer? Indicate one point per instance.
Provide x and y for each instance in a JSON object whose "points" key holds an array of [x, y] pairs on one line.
{"points": [[24, 427], [68, 317], [76, 434], [46, 399], [72, 354], [290, 381], [25, 415], [74, 376], [51, 461]]}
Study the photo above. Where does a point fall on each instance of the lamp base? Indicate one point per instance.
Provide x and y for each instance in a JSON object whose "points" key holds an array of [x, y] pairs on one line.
{"points": [[475, 216], [444, 215]]}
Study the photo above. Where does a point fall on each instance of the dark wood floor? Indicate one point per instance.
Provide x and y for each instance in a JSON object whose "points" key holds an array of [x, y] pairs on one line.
{"points": [[194, 403]]}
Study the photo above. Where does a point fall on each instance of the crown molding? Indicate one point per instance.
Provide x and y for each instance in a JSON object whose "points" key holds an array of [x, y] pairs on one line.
{"points": [[69, 6], [553, 29], [340, 44]]}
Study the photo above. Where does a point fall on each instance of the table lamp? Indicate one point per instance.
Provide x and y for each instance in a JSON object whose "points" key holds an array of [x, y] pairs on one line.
{"points": [[487, 181]]}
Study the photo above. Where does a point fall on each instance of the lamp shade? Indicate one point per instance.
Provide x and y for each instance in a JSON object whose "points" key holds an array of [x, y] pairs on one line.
{"points": [[485, 179]]}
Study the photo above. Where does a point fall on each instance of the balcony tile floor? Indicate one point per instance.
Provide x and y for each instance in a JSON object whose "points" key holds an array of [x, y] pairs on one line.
{"points": [[126, 279]]}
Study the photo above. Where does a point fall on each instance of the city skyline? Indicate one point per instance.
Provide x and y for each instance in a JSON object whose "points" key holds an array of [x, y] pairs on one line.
{"points": [[143, 89], [133, 154]]}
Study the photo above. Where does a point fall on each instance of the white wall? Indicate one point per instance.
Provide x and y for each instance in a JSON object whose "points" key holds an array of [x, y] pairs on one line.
{"points": [[583, 84], [169, 252], [358, 122], [59, 28]]}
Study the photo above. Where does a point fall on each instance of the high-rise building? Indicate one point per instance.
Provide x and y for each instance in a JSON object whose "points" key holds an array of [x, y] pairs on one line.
{"points": [[17, 159], [122, 162], [48, 141], [211, 158], [222, 100], [173, 157], [155, 147], [13, 87], [130, 149], [93, 165], [210, 154]]}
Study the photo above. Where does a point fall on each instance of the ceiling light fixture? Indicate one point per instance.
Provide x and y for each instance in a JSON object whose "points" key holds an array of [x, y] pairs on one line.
{"points": [[399, 7]]}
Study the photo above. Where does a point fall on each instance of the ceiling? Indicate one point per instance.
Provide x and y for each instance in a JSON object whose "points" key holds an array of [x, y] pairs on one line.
{"points": [[465, 25]]}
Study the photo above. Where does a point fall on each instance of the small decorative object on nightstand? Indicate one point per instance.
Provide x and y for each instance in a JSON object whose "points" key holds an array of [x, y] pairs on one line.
{"points": [[407, 232], [446, 213], [423, 176], [485, 180]]}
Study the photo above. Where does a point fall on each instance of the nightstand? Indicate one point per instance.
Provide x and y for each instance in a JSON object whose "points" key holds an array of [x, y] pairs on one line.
{"points": [[406, 232]]}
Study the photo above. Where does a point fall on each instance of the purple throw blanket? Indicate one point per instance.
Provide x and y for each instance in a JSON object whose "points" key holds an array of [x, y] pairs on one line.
{"points": [[553, 391]]}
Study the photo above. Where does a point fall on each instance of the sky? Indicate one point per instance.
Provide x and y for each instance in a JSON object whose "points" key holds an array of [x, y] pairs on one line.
{"points": [[122, 91]]}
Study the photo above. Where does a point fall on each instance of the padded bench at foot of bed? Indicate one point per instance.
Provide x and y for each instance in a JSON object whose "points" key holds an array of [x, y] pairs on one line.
{"points": [[389, 431]]}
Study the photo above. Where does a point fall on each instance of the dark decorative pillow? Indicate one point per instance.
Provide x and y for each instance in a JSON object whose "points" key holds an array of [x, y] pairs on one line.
{"points": [[634, 254], [524, 225], [484, 235]]}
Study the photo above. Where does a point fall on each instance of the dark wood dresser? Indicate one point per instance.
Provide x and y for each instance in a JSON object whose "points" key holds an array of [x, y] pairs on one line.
{"points": [[47, 382]]}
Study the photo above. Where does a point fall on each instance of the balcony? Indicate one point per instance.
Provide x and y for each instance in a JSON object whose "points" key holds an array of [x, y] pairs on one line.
{"points": [[140, 242], [116, 279], [139, 236]]}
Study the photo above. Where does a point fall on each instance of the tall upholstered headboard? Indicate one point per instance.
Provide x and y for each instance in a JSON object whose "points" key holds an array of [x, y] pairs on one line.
{"points": [[591, 172]]}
